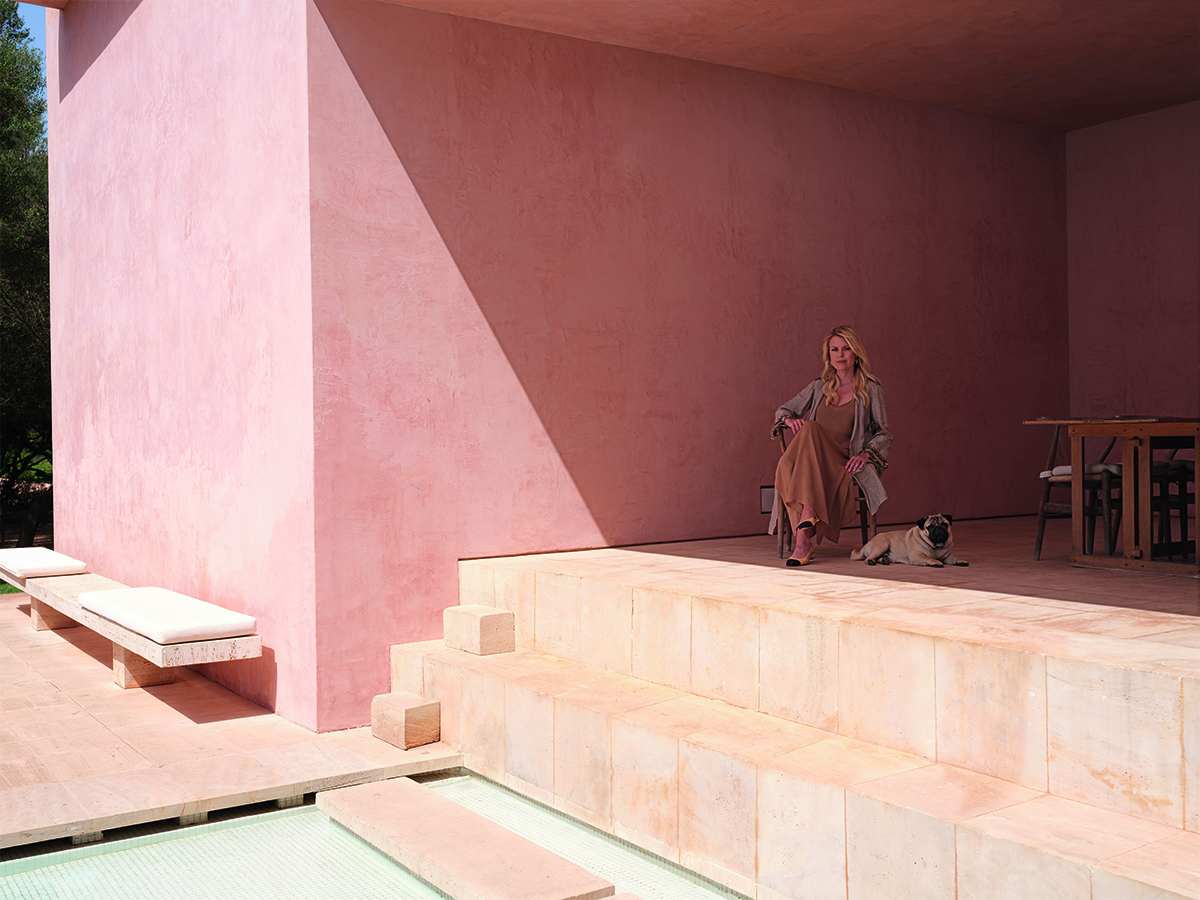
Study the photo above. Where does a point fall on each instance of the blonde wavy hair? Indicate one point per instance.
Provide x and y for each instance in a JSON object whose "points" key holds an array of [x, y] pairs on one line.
{"points": [[862, 367]]}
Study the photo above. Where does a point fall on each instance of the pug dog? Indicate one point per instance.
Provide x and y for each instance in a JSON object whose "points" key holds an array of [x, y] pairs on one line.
{"points": [[928, 543]]}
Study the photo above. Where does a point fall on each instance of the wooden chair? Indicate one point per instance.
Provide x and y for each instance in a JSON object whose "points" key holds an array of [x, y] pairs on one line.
{"points": [[1166, 474], [1100, 479], [786, 538]]}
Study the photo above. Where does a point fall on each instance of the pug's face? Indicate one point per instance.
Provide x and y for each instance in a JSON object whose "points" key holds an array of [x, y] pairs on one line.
{"points": [[936, 529]]}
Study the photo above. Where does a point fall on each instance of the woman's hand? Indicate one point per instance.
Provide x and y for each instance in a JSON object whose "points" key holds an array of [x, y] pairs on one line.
{"points": [[856, 463], [794, 424]]}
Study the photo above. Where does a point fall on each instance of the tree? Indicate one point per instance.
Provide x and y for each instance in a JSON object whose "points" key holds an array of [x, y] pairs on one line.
{"points": [[25, 439]]}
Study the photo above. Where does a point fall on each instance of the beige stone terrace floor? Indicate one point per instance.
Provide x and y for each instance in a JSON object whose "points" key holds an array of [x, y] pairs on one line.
{"points": [[1000, 552], [78, 754]]}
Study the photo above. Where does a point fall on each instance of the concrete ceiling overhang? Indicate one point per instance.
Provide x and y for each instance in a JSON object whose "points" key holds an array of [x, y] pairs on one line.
{"points": [[1065, 64]]}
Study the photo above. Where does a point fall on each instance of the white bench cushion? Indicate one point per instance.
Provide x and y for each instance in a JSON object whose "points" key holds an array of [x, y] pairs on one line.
{"points": [[165, 616], [39, 562], [1093, 469]]}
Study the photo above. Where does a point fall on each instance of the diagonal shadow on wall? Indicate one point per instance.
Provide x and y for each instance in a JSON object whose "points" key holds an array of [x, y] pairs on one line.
{"points": [[622, 239], [85, 29]]}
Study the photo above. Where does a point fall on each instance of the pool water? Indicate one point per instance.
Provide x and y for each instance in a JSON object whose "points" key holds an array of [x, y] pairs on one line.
{"points": [[297, 854], [628, 867], [302, 854]]}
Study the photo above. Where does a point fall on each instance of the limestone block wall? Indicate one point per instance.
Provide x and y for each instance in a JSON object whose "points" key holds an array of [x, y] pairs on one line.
{"points": [[1025, 692]]}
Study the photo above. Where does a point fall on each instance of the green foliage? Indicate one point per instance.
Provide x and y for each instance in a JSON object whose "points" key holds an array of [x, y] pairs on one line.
{"points": [[25, 440]]}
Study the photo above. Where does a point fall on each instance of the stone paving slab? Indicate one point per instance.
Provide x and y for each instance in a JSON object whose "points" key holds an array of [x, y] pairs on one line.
{"points": [[457, 850], [78, 755]]}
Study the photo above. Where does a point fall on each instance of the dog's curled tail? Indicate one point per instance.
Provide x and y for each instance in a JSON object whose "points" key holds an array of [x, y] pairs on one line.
{"points": [[856, 554]]}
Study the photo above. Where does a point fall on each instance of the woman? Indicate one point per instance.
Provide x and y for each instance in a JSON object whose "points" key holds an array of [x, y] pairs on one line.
{"points": [[839, 427]]}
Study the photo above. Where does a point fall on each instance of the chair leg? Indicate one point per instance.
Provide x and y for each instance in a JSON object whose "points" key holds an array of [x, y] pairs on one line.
{"points": [[1166, 502], [1164, 512], [1041, 526], [1172, 502], [784, 531], [864, 516], [1184, 497], [1091, 522], [1106, 511]]}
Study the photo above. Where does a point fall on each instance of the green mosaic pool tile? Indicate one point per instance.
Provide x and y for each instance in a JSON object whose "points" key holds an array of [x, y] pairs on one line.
{"points": [[152, 833], [297, 853], [628, 867]]}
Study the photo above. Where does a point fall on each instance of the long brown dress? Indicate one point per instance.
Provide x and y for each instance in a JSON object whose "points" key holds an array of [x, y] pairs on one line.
{"points": [[812, 471]]}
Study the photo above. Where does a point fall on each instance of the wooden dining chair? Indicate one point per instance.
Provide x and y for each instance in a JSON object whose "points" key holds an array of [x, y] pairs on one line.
{"points": [[1178, 474], [866, 518], [1100, 480]]}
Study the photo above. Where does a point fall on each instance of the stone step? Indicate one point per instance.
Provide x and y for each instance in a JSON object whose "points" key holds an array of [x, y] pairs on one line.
{"points": [[773, 808], [1094, 704], [454, 849], [405, 720]]}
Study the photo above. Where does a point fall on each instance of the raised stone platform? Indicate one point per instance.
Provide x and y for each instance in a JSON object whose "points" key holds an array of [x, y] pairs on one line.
{"points": [[1085, 702], [817, 734]]}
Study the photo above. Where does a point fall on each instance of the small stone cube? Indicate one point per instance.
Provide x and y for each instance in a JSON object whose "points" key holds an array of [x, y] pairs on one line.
{"points": [[482, 630], [406, 720]]}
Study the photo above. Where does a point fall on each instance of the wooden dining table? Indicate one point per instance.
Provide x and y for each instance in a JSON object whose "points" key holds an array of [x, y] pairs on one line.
{"points": [[1140, 436]]}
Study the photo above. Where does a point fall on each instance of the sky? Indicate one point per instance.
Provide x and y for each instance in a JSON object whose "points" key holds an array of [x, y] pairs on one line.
{"points": [[35, 21]]}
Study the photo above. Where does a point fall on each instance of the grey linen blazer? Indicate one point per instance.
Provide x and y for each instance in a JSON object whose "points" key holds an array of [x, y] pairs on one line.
{"points": [[870, 433]]}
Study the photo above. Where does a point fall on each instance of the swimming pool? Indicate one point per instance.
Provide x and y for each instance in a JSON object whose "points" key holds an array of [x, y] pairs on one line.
{"points": [[298, 854], [302, 854], [630, 868]]}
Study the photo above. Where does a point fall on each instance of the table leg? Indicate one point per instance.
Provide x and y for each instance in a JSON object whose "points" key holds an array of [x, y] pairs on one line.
{"points": [[1077, 496], [1145, 531], [1138, 546], [1129, 491]]}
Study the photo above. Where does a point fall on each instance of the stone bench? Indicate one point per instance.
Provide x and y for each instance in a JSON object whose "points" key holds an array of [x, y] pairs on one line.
{"points": [[138, 660]]}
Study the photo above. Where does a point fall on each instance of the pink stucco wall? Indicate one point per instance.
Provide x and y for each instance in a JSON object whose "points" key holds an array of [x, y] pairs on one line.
{"points": [[1133, 200], [181, 313], [559, 289], [344, 292]]}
